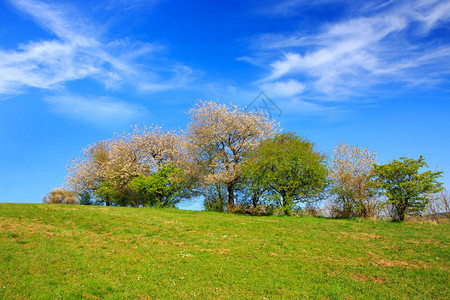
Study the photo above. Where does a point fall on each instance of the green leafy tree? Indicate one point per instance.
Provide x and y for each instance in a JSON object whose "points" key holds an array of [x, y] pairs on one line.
{"points": [[288, 167], [405, 188], [162, 189], [255, 193]]}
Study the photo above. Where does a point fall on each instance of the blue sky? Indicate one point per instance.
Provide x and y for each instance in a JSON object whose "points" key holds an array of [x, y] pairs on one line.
{"points": [[372, 73]]}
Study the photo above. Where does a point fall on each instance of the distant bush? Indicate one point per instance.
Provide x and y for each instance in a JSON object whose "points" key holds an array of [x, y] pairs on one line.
{"points": [[60, 196], [311, 210], [372, 209], [243, 209]]}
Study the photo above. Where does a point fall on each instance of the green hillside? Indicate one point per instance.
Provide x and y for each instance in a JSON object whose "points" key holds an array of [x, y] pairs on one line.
{"points": [[73, 252]]}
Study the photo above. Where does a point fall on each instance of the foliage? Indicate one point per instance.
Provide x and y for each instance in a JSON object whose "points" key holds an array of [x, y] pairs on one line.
{"points": [[159, 189], [219, 137], [256, 193], [85, 198], [60, 196], [351, 184], [107, 167], [123, 253], [86, 174], [214, 197], [234, 157], [405, 188], [289, 169]]}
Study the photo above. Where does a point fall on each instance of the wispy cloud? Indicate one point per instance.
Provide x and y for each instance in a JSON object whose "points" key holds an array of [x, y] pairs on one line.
{"points": [[79, 50], [282, 89], [393, 43], [99, 111]]}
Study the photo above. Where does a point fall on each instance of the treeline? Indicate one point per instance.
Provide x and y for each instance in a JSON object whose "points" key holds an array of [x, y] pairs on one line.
{"points": [[240, 161]]}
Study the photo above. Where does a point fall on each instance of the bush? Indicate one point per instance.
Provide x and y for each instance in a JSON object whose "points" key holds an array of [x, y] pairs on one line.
{"points": [[60, 196], [214, 204], [310, 210]]}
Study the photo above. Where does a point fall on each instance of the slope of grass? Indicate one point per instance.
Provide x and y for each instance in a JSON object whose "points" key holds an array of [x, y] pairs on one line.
{"points": [[73, 252]]}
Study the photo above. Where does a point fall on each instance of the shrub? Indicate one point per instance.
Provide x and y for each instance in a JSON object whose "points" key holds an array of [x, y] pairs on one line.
{"points": [[60, 196]]}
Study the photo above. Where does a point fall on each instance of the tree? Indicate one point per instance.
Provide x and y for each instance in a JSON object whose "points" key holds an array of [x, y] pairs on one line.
{"points": [[159, 189], [219, 137], [288, 166], [86, 174], [350, 173], [254, 190], [405, 188], [60, 196], [106, 168]]}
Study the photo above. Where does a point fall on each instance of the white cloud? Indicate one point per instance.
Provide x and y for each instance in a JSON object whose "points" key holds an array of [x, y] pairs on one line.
{"points": [[354, 55], [287, 88], [101, 111], [79, 50]]}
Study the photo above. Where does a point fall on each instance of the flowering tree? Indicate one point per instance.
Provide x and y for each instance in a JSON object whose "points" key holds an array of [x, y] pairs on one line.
{"points": [[350, 172], [87, 173], [107, 168], [218, 138]]}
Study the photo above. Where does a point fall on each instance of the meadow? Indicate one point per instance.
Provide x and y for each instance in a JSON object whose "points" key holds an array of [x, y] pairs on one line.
{"points": [[75, 252]]}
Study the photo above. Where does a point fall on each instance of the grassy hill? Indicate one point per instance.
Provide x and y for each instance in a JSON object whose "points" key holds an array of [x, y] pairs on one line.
{"points": [[72, 252]]}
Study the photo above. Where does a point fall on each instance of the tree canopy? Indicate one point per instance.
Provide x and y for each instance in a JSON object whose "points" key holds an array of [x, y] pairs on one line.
{"points": [[219, 136], [405, 187], [288, 166], [351, 184], [110, 170]]}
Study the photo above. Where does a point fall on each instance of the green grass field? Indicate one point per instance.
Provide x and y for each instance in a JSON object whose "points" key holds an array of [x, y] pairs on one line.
{"points": [[73, 252]]}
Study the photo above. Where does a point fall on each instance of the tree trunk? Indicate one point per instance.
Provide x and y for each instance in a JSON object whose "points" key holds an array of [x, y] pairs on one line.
{"points": [[403, 208], [285, 204], [230, 189], [255, 200], [219, 194], [399, 211]]}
